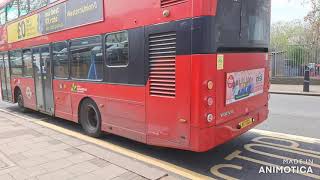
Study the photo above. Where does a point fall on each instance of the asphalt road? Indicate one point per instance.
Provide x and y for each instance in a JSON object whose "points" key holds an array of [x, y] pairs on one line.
{"points": [[243, 157], [297, 115]]}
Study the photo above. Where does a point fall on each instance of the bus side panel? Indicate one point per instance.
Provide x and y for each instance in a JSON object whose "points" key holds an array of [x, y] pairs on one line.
{"points": [[169, 116], [26, 86], [122, 107], [62, 99]]}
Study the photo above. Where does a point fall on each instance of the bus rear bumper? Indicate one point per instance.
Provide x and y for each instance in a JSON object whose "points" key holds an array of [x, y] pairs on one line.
{"points": [[208, 138]]}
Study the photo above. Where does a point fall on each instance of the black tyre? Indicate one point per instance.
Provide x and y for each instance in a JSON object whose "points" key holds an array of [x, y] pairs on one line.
{"points": [[20, 102], [90, 118]]}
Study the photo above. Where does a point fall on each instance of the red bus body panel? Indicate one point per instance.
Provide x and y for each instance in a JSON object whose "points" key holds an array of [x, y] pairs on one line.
{"points": [[131, 111], [27, 88], [122, 113]]}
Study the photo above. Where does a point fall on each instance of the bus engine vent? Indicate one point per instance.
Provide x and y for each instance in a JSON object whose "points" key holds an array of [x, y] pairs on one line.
{"points": [[165, 3], [162, 57]]}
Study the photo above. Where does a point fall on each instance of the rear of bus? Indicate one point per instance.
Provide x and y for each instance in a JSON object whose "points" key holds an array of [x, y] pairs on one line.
{"points": [[234, 77]]}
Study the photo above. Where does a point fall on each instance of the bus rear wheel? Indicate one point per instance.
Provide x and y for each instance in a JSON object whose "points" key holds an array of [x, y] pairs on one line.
{"points": [[20, 102], [90, 118]]}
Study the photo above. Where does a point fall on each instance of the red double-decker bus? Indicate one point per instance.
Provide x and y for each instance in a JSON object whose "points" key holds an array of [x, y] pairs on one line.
{"points": [[186, 74]]}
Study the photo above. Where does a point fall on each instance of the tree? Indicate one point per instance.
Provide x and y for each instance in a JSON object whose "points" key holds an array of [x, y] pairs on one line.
{"points": [[313, 18], [288, 33]]}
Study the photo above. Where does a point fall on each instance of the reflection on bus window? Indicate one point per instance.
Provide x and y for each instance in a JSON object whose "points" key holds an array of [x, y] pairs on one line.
{"points": [[23, 7], [45, 55], [117, 49], [2, 16], [12, 10], [36, 60], [27, 62], [258, 20], [86, 58], [60, 60], [37, 4], [16, 63], [52, 1]]}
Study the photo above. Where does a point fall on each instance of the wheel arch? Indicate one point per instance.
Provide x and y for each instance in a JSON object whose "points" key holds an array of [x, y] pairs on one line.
{"points": [[80, 104], [16, 90]]}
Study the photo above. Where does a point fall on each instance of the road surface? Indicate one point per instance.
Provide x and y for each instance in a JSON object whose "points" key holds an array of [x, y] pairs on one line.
{"points": [[289, 138]]}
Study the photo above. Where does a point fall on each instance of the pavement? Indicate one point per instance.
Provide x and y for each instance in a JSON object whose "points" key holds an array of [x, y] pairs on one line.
{"points": [[294, 90], [31, 151], [36, 146]]}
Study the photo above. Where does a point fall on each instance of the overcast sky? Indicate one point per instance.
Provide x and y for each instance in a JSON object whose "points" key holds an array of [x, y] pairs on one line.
{"points": [[286, 10]]}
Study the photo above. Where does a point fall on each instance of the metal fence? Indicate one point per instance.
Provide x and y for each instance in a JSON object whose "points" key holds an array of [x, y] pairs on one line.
{"points": [[292, 60]]}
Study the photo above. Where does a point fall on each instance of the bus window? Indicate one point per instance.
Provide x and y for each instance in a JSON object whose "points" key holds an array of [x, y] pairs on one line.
{"points": [[37, 4], [117, 49], [2, 16], [60, 60], [52, 1], [86, 58], [16, 63], [24, 7], [12, 10], [27, 63]]}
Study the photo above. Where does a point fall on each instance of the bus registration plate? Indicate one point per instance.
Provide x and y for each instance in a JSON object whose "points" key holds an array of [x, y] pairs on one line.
{"points": [[246, 123]]}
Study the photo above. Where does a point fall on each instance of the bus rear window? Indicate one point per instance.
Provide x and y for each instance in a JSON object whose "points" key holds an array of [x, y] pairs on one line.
{"points": [[243, 23], [255, 21]]}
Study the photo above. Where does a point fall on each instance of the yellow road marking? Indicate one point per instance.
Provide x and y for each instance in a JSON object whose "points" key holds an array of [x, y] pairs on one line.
{"points": [[294, 145], [215, 170], [144, 158], [286, 136]]}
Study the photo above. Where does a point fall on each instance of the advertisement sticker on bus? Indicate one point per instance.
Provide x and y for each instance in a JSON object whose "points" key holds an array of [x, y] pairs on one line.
{"points": [[220, 62], [70, 14], [25, 29], [244, 84]]}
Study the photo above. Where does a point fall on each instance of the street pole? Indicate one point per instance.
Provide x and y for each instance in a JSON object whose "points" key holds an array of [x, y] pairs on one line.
{"points": [[306, 84]]}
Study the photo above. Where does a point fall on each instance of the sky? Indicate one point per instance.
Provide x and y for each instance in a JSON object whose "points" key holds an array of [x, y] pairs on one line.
{"points": [[287, 10]]}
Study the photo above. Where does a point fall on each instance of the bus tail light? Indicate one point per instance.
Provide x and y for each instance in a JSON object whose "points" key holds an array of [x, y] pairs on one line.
{"points": [[210, 85], [210, 101], [210, 118]]}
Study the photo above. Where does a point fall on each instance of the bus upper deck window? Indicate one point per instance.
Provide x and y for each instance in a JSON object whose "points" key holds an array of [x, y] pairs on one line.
{"points": [[24, 7], [2, 16], [37, 4], [12, 10]]}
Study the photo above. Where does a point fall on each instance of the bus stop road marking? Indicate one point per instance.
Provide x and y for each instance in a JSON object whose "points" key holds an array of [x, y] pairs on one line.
{"points": [[286, 136], [135, 155]]}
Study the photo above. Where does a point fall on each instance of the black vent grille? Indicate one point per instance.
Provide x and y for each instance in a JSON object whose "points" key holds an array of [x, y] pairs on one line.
{"points": [[162, 57], [165, 3]]}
